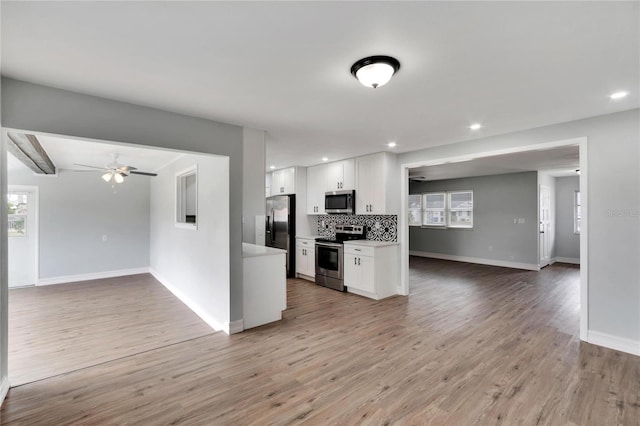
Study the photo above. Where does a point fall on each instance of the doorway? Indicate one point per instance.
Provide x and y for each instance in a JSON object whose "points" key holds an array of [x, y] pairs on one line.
{"points": [[545, 225], [22, 211]]}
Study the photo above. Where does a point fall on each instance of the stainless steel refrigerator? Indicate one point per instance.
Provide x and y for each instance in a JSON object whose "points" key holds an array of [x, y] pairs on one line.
{"points": [[281, 228]]}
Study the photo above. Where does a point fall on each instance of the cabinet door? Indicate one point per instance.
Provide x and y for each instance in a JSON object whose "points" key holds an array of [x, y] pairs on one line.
{"points": [[316, 187], [301, 261], [311, 260], [289, 180], [351, 271], [366, 266], [370, 193], [349, 174], [335, 173], [363, 196]]}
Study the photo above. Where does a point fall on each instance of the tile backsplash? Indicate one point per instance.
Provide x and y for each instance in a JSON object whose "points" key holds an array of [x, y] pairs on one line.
{"points": [[379, 228]]}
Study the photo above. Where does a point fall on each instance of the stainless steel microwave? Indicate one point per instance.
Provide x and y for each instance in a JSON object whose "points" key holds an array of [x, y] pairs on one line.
{"points": [[340, 202]]}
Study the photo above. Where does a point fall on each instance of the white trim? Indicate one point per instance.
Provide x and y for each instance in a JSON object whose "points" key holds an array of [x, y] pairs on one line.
{"points": [[234, 327], [4, 389], [478, 260], [403, 233], [614, 342], [572, 260], [195, 307], [92, 276]]}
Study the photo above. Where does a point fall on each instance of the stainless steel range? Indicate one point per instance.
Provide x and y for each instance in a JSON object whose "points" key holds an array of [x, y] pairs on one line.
{"points": [[330, 256]]}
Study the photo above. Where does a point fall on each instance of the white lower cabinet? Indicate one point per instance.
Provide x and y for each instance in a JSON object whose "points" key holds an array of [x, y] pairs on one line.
{"points": [[306, 258], [371, 271]]}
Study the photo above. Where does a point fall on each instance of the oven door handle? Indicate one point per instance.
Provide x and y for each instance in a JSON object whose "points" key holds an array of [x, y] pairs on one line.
{"points": [[329, 245]]}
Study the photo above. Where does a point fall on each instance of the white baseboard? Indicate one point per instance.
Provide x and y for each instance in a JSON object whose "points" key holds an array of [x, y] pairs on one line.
{"points": [[234, 327], [4, 389], [571, 260], [478, 260], [195, 307], [306, 277], [614, 342], [92, 276]]}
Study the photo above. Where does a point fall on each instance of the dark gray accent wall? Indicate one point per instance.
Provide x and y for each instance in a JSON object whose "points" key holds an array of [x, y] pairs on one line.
{"points": [[567, 243], [497, 201]]}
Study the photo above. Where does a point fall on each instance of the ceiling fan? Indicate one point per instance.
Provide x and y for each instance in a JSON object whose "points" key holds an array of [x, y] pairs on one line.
{"points": [[114, 170]]}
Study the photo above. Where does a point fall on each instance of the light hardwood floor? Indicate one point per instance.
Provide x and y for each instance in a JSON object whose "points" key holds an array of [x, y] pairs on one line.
{"points": [[62, 328], [472, 345]]}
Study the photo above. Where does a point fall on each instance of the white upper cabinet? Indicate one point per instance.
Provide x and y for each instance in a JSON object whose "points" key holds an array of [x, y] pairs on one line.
{"points": [[283, 181], [316, 187], [340, 175], [374, 194]]}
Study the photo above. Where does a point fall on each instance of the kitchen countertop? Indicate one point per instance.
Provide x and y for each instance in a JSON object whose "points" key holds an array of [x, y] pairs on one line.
{"points": [[252, 250], [308, 237], [369, 243]]}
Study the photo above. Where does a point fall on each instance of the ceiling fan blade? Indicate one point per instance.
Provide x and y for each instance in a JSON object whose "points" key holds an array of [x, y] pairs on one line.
{"points": [[143, 173], [89, 171], [92, 167], [126, 169]]}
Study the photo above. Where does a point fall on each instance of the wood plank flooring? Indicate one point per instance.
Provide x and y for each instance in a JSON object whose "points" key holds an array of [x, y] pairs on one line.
{"points": [[472, 345], [61, 328]]}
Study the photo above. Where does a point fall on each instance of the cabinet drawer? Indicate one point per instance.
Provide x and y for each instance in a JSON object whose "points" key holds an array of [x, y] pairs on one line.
{"points": [[358, 250], [305, 243]]}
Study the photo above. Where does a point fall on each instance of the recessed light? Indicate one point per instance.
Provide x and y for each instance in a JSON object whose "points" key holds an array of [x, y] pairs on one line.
{"points": [[325, 159], [272, 167], [475, 126], [618, 95], [391, 144]]}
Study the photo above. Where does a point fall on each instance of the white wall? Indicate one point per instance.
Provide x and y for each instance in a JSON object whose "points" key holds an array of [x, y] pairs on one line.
{"points": [[194, 264], [613, 178], [77, 210], [544, 178], [567, 243]]}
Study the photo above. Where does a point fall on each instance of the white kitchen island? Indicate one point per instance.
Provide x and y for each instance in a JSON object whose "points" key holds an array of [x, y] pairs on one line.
{"points": [[264, 284]]}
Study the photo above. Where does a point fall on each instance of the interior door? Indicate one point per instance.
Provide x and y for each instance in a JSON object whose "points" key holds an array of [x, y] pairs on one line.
{"points": [[545, 225], [23, 237]]}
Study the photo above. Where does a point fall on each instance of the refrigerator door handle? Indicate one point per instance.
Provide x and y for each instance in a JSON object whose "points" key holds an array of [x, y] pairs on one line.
{"points": [[273, 228]]}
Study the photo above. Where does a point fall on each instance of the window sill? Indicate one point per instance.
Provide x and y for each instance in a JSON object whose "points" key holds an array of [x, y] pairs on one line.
{"points": [[190, 226]]}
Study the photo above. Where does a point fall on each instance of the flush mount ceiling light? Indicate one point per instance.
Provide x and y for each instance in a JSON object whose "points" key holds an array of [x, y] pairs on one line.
{"points": [[325, 159], [375, 71], [391, 144], [476, 126]]}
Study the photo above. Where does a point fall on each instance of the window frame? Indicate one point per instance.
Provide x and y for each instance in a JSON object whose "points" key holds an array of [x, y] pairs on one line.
{"points": [[425, 210], [419, 209], [457, 209], [447, 209], [181, 198]]}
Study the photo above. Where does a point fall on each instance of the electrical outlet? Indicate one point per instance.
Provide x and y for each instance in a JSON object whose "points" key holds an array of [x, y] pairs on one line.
{"points": [[521, 220], [105, 238]]}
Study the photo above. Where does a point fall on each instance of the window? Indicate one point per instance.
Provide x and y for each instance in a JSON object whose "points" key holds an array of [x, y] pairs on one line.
{"points": [[442, 209], [17, 205], [576, 212], [415, 210], [434, 213], [461, 209], [187, 198]]}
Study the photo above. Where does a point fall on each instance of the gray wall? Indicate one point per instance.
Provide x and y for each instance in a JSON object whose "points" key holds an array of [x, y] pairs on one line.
{"points": [[76, 210], [194, 263], [497, 201], [613, 179], [253, 202], [567, 243], [38, 108]]}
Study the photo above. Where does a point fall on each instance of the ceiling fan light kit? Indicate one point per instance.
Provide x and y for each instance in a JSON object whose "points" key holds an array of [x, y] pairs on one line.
{"points": [[115, 171], [375, 71]]}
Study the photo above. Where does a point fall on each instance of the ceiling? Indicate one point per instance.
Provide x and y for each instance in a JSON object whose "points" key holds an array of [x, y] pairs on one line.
{"points": [[67, 153], [562, 161], [284, 66]]}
